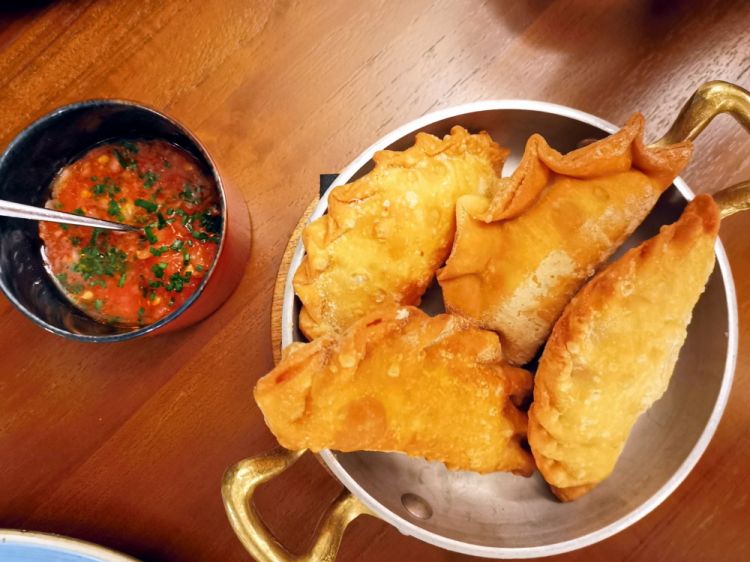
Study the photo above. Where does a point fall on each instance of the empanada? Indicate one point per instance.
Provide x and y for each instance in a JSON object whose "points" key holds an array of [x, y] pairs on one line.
{"points": [[385, 234], [399, 380], [520, 256], [612, 353]]}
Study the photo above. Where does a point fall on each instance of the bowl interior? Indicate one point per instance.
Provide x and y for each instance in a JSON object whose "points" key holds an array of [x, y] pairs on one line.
{"points": [[505, 515], [27, 169]]}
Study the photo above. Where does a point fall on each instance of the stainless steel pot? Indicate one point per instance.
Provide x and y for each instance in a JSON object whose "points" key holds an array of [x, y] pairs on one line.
{"points": [[501, 515]]}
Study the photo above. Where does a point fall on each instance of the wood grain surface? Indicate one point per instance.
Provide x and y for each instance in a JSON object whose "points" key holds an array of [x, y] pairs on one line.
{"points": [[125, 444]]}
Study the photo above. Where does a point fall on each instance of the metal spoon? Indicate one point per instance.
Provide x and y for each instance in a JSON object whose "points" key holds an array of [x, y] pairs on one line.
{"points": [[16, 210]]}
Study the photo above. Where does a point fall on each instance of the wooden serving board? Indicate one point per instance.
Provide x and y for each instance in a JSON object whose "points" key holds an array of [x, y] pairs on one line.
{"points": [[281, 277]]}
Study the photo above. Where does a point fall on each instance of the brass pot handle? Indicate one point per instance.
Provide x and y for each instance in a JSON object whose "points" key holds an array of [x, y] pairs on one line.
{"points": [[237, 489], [708, 101]]}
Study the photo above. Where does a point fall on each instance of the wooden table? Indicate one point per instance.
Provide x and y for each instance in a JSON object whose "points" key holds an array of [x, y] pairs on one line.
{"points": [[125, 445]]}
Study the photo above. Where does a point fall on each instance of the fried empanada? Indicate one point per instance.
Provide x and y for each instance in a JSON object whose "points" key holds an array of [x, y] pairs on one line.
{"points": [[385, 234], [612, 353], [399, 380], [520, 256]]}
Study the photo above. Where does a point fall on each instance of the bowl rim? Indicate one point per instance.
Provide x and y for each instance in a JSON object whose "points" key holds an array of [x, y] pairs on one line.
{"points": [[150, 328], [407, 527]]}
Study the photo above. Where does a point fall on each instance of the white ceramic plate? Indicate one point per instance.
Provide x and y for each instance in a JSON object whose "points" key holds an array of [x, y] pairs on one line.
{"points": [[22, 546]]}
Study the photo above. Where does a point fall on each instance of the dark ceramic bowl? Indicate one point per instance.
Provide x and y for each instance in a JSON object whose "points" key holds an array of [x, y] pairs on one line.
{"points": [[27, 168]]}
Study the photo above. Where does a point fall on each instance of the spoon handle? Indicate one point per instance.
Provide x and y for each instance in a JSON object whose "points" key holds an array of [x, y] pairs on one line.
{"points": [[17, 210]]}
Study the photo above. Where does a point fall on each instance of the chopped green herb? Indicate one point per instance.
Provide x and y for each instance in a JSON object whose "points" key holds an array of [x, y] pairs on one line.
{"points": [[155, 284], [185, 217], [98, 304], [160, 221], [149, 179], [158, 251], [123, 199], [150, 206], [94, 178], [170, 212], [176, 245], [95, 235], [57, 205], [191, 193], [158, 269], [62, 278], [113, 210], [177, 281], [98, 283], [106, 187], [211, 220], [74, 289], [171, 302], [150, 236], [78, 211], [104, 260], [129, 146], [167, 164], [64, 227], [125, 161], [114, 320], [75, 240], [123, 277], [141, 312], [185, 256], [152, 296], [199, 268]]}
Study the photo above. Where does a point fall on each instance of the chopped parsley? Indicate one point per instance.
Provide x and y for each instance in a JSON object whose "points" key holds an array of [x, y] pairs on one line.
{"points": [[129, 146], [150, 236], [161, 222], [150, 206], [141, 312], [210, 220], [78, 211], [158, 251], [98, 283], [198, 268], [123, 277], [176, 245], [125, 161], [64, 226], [113, 210], [75, 240], [106, 187], [98, 304], [158, 269], [177, 281], [98, 260], [191, 193], [149, 179]]}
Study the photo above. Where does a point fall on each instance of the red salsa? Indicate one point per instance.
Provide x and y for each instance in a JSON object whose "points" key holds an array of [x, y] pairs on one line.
{"points": [[131, 278]]}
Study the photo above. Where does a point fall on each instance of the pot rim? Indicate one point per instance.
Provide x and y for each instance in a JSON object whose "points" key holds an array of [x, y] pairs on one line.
{"points": [[409, 528]]}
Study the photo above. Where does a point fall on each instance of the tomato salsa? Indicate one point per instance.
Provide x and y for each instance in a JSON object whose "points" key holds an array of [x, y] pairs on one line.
{"points": [[133, 278]]}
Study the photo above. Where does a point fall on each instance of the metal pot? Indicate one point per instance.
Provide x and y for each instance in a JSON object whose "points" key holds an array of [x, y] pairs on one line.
{"points": [[501, 515]]}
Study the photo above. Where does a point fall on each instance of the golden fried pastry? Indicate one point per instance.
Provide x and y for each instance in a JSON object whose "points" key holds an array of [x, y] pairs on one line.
{"points": [[611, 354], [520, 256], [399, 380], [385, 234]]}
